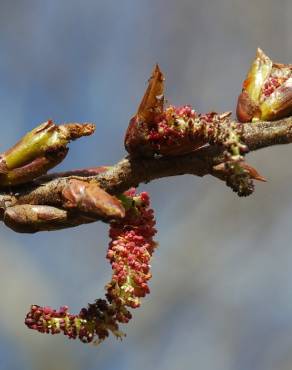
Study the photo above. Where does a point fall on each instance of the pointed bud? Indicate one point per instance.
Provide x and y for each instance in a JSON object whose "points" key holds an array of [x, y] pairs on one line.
{"points": [[248, 100], [151, 106], [92, 200], [153, 99], [251, 171], [38, 151], [257, 75]]}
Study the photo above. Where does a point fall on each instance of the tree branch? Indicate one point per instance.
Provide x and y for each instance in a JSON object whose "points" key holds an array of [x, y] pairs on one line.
{"points": [[257, 135], [130, 172]]}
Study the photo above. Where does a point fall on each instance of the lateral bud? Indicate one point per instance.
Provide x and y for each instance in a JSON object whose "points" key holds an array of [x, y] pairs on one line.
{"points": [[90, 199], [38, 151], [27, 218], [251, 171]]}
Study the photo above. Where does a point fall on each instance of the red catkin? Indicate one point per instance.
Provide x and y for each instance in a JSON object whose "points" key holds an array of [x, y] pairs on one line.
{"points": [[129, 253]]}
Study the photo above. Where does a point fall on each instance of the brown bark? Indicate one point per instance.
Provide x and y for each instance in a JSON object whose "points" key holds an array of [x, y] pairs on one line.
{"points": [[130, 172]]}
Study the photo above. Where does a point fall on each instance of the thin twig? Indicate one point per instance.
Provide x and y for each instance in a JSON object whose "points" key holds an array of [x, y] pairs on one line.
{"points": [[129, 172]]}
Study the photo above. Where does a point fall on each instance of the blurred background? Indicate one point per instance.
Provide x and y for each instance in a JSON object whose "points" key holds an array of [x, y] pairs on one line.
{"points": [[221, 296]]}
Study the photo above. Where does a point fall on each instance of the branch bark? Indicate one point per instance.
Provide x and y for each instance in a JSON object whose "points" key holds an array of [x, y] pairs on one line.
{"points": [[130, 172]]}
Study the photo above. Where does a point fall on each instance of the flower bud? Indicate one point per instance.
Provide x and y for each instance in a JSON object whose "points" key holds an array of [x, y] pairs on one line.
{"points": [[27, 218], [91, 199], [267, 91], [38, 151], [151, 106], [221, 169]]}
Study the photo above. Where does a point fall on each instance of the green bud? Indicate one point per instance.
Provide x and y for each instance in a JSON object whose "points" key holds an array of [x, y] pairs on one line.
{"points": [[38, 151]]}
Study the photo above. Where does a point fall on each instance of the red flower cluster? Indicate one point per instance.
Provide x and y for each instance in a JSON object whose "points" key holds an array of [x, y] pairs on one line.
{"points": [[181, 130], [279, 74], [94, 321], [172, 132], [272, 84], [129, 252]]}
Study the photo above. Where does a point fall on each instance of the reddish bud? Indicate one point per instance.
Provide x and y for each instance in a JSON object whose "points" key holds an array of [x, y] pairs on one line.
{"points": [[153, 100], [246, 108], [253, 173], [91, 199], [150, 107], [27, 218]]}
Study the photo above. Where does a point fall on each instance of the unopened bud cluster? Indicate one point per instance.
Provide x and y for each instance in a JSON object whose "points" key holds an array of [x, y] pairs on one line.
{"points": [[173, 131], [181, 130]]}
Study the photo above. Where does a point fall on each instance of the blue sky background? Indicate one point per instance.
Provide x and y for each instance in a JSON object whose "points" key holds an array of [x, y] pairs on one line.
{"points": [[221, 296]]}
